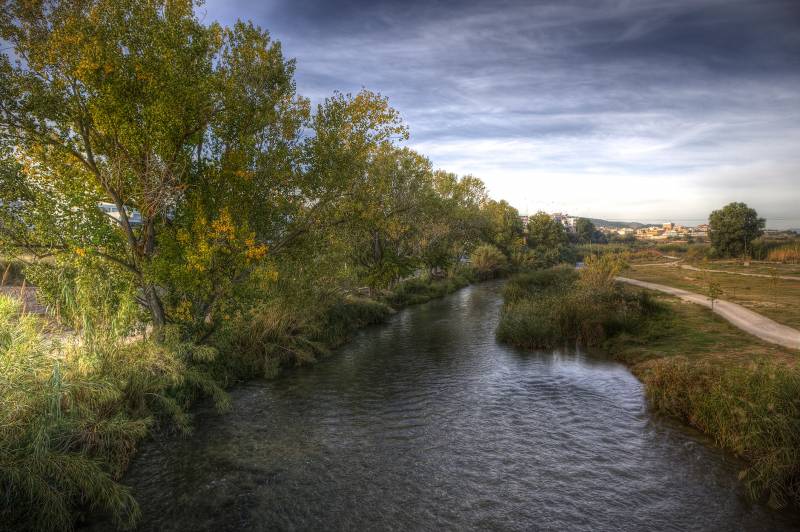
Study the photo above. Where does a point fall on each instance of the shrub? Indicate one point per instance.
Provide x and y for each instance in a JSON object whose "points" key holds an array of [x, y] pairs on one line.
{"points": [[488, 261], [548, 308], [421, 289]]}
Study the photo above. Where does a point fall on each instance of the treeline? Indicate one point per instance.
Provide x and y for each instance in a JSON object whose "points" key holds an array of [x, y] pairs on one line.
{"points": [[190, 220]]}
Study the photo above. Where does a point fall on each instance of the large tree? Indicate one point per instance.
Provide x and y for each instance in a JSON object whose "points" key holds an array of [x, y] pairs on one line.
{"points": [[733, 228], [193, 133]]}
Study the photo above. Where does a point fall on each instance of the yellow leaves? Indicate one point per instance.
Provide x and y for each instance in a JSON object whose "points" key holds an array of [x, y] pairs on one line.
{"points": [[81, 252], [223, 227], [244, 174], [253, 251]]}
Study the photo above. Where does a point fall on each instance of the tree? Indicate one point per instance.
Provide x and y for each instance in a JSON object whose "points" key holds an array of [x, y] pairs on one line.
{"points": [[194, 134], [547, 240], [733, 228], [585, 230], [503, 227]]}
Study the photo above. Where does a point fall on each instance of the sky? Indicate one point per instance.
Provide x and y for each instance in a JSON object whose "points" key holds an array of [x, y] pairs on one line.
{"points": [[634, 110]]}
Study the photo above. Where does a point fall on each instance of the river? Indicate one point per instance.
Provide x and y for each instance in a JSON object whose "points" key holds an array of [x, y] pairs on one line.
{"points": [[427, 423]]}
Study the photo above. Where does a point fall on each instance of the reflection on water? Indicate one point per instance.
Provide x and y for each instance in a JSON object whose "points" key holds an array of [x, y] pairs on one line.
{"points": [[428, 424]]}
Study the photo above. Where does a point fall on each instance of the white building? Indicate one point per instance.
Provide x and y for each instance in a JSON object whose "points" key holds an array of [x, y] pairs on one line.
{"points": [[134, 216]]}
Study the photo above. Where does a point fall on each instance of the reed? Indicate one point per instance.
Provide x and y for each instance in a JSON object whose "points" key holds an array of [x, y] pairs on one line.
{"points": [[790, 253], [72, 411]]}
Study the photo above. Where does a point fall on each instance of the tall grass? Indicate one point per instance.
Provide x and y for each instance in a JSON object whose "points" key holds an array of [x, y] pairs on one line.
{"points": [[72, 413], [790, 253], [421, 289], [751, 409], [552, 307], [279, 333]]}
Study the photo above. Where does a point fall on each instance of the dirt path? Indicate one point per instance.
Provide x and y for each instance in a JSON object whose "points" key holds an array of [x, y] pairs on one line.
{"points": [[747, 320]]}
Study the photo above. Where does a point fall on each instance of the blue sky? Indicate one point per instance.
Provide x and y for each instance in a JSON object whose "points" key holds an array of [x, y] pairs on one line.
{"points": [[634, 110]]}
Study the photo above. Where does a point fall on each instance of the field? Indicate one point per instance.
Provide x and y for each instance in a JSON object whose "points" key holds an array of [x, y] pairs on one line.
{"points": [[775, 298]]}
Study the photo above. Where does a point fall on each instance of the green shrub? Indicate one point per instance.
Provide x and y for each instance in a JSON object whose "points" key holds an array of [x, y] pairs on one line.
{"points": [[552, 307], [421, 289], [488, 262]]}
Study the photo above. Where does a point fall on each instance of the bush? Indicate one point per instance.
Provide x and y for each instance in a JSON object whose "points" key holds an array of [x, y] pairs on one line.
{"points": [[698, 252], [421, 289], [528, 284], [488, 262], [549, 308]]}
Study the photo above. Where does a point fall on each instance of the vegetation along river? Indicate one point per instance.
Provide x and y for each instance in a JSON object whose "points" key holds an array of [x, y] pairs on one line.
{"points": [[427, 423]]}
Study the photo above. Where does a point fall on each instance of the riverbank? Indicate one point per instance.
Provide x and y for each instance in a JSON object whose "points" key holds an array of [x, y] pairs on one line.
{"points": [[741, 392], [74, 414]]}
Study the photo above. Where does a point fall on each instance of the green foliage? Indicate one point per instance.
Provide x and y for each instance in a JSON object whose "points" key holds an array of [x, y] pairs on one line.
{"points": [[421, 289], [488, 261], [733, 228], [547, 242], [503, 227], [71, 415]]}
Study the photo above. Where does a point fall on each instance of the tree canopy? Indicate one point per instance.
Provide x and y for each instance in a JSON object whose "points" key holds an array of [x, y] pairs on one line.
{"points": [[733, 228]]}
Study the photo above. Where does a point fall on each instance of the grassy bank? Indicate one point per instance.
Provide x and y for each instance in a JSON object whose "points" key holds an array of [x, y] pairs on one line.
{"points": [[743, 393]]}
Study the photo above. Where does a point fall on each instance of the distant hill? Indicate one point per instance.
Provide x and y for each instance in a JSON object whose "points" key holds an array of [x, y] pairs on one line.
{"points": [[605, 223]]}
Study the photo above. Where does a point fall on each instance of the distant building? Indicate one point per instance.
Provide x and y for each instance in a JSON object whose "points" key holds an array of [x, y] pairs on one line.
{"points": [[569, 222], [134, 216]]}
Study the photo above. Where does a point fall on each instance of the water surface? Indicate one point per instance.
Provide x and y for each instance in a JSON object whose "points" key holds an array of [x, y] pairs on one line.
{"points": [[428, 424]]}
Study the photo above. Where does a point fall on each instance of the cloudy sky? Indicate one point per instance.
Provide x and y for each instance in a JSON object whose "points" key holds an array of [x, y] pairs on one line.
{"points": [[619, 109]]}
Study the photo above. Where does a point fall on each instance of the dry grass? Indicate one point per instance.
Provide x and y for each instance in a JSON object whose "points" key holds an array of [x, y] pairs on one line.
{"points": [[789, 253]]}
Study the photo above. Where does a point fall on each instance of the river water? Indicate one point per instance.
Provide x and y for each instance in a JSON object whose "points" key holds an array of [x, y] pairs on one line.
{"points": [[427, 423]]}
